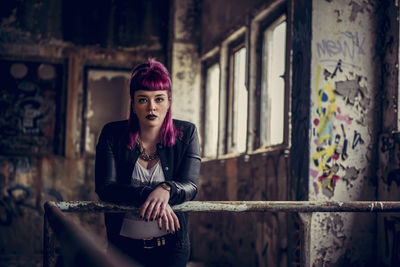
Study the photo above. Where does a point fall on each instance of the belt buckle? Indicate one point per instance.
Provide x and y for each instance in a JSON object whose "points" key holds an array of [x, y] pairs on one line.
{"points": [[144, 243], [160, 241]]}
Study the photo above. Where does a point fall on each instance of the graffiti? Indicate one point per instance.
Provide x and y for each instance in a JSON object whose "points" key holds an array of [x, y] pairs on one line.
{"points": [[357, 8], [388, 143], [329, 145], [338, 67], [357, 139], [330, 131], [17, 196], [344, 150], [28, 108], [389, 148], [394, 176], [392, 240], [391, 143], [351, 47]]}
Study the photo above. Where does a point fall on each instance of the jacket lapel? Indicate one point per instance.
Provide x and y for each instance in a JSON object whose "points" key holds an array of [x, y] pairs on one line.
{"points": [[130, 157], [163, 153]]}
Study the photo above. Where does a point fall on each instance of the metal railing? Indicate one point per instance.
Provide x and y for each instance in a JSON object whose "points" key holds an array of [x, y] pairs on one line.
{"points": [[77, 246], [80, 247]]}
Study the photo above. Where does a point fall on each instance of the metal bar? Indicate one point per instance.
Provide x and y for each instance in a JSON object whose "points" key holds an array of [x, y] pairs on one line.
{"points": [[48, 244], [79, 247], [243, 206]]}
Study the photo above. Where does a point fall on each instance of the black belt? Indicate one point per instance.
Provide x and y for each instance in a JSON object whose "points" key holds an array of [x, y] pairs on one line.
{"points": [[153, 242]]}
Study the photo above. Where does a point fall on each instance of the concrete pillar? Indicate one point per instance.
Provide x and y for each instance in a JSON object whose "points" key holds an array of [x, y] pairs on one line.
{"points": [[344, 81], [185, 62]]}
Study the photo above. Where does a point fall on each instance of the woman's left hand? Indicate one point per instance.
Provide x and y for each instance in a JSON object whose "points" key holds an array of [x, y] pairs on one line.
{"points": [[155, 204]]}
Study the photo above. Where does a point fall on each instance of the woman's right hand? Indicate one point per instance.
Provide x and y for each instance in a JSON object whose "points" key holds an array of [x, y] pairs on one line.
{"points": [[169, 220]]}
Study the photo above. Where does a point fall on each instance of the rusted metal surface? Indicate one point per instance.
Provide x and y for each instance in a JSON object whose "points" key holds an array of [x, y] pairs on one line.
{"points": [[78, 247], [244, 206], [49, 255]]}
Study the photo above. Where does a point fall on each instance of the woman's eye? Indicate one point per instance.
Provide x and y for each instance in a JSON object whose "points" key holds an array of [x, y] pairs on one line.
{"points": [[159, 99], [142, 100]]}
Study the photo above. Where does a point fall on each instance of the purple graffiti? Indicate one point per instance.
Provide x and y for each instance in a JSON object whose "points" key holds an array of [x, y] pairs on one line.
{"points": [[350, 47], [345, 118], [313, 173]]}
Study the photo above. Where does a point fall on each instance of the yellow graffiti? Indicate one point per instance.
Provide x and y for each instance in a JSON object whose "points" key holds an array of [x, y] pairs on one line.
{"points": [[324, 122], [326, 154], [330, 176], [326, 118]]}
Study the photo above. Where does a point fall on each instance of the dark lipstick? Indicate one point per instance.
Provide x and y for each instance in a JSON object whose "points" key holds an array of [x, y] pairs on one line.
{"points": [[151, 117]]}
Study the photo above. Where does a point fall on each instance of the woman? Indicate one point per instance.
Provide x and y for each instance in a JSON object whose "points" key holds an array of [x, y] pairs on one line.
{"points": [[153, 162]]}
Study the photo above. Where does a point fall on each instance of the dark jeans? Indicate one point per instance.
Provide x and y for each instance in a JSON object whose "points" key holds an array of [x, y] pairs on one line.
{"points": [[174, 253]]}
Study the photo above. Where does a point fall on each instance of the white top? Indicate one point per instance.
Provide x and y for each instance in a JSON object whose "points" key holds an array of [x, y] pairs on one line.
{"points": [[132, 226]]}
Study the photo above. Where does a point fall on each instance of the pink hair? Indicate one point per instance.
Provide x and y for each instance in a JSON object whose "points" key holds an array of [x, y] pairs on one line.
{"points": [[151, 76]]}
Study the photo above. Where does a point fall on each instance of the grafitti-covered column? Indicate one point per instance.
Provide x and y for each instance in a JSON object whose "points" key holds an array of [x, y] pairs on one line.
{"points": [[185, 66], [344, 81], [388, 152]]}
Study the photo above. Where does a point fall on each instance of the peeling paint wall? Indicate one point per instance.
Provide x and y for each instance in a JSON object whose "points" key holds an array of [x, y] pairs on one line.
{"points": [[344, 110], [250, 239], [46, 31], [388, 150], [185, 69], [222, 18], [227, 239]]}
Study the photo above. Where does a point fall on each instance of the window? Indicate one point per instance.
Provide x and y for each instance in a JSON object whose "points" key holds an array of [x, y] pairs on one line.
{"points": [[211, 112], [245, 98], [104, 88], [238, 96], [272, 113]]}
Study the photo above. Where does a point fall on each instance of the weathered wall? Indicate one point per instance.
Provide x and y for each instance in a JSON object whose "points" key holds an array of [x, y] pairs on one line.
{"points": [[74, 34], [389, 139], [250, 239], [185, 61], [343, 132], [26, 183], [300, 117], [220, 18], [247, 239]]}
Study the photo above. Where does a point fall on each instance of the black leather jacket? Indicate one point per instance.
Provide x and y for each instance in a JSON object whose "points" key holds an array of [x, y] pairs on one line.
{"points": [[115, 163]]}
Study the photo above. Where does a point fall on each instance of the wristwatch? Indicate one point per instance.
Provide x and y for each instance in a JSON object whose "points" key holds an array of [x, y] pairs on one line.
{"points": [[166, 187]]}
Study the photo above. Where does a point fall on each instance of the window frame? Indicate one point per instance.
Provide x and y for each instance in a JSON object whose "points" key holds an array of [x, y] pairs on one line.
{"points": [[206, 63], [269, 20], [249, 36], [85, 104], [234, 46]]}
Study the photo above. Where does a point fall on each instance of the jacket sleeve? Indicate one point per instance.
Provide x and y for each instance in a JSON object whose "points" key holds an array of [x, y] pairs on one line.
{"points": [[184, 187], [107, 187]]}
